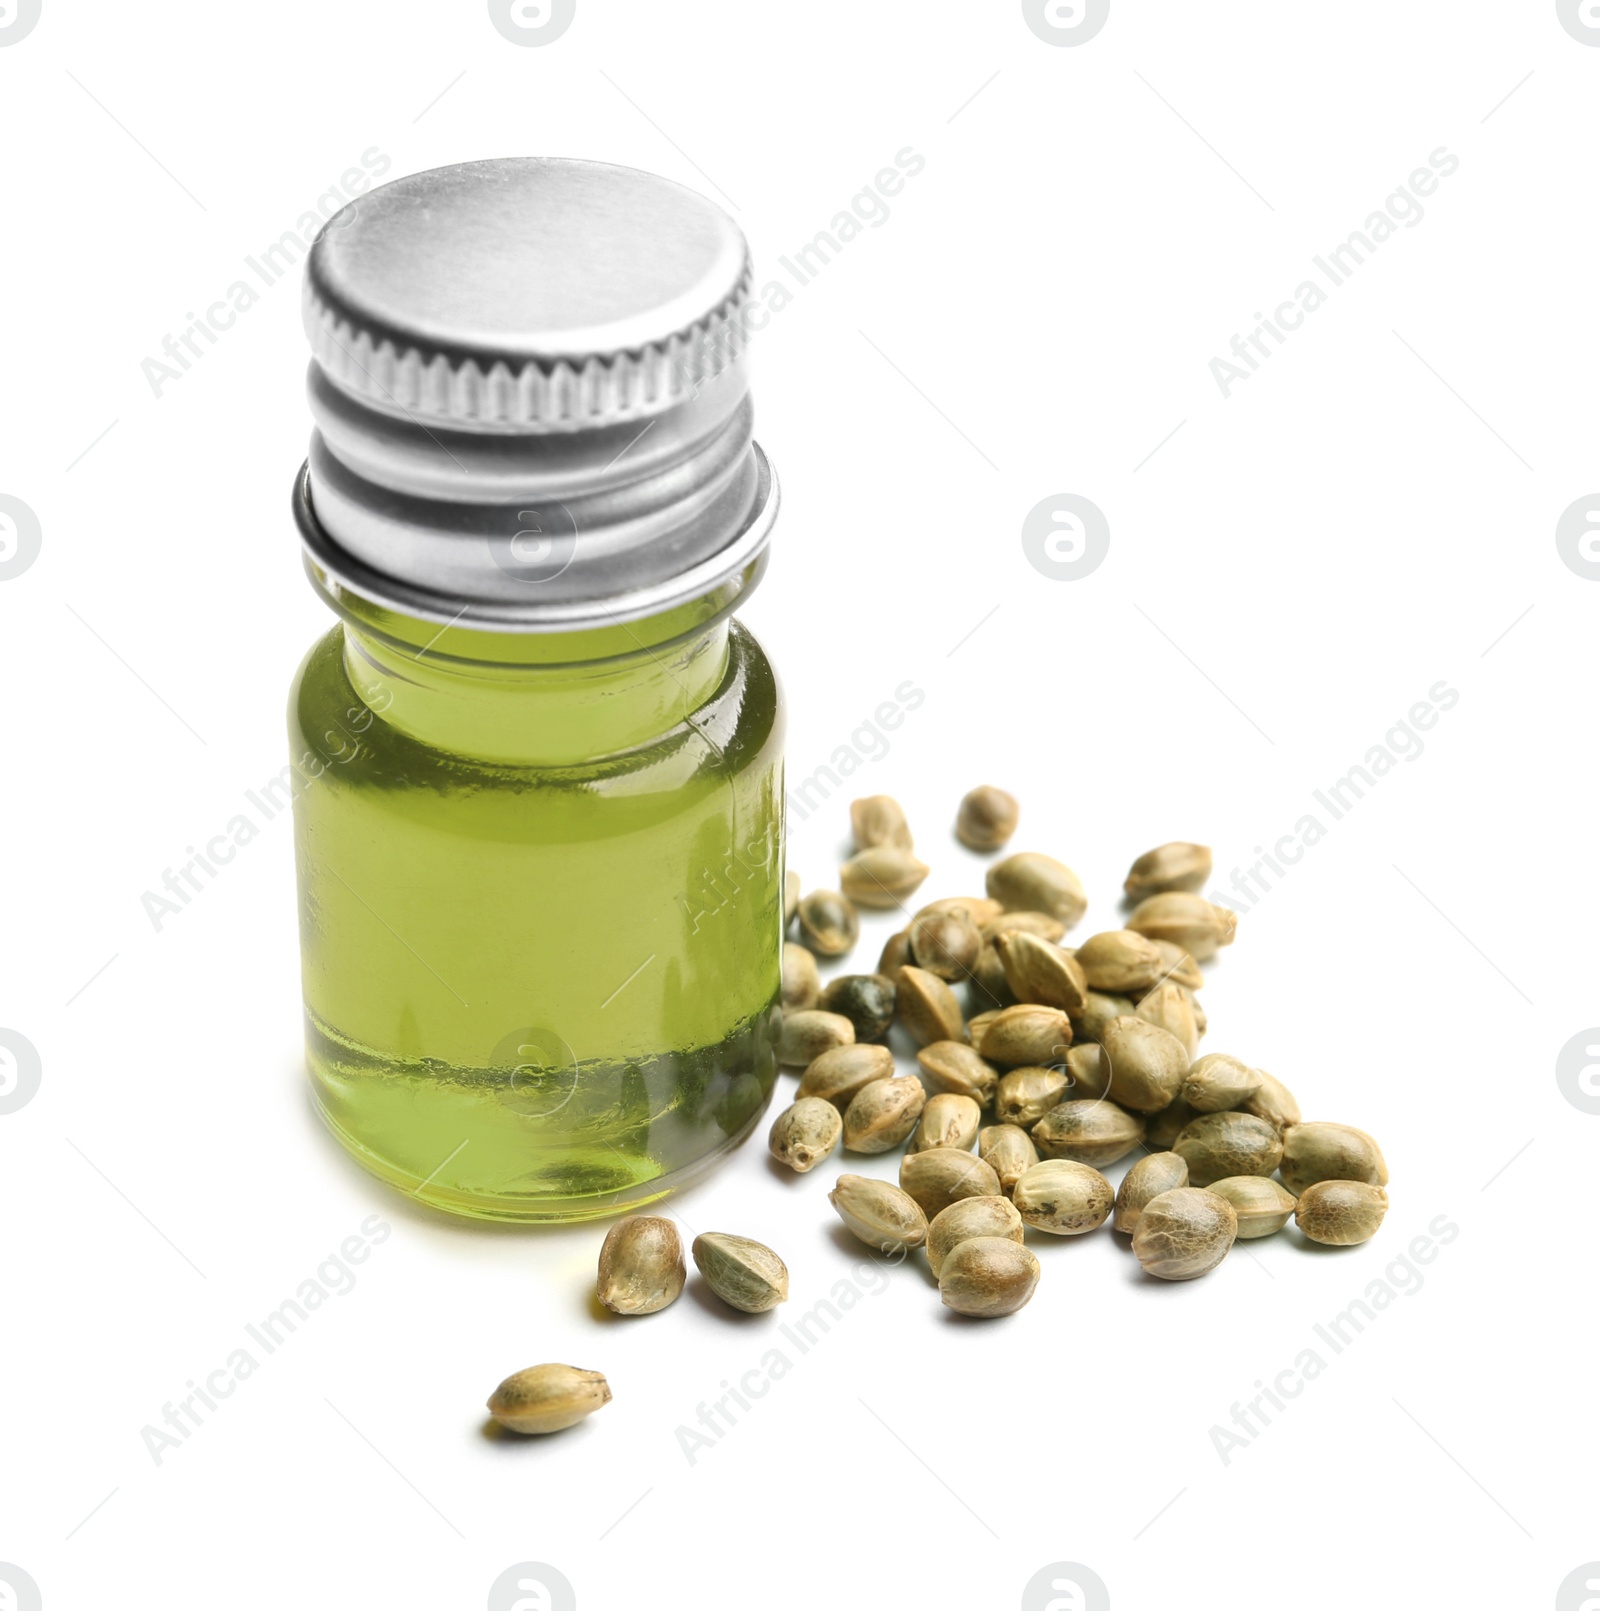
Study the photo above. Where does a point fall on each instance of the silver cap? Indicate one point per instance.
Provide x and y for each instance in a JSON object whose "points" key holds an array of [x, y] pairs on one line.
{"points": [[529, 386]]}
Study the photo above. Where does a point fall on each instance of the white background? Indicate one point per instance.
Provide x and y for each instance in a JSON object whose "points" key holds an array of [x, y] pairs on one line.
{"points": [[1371, 513]]}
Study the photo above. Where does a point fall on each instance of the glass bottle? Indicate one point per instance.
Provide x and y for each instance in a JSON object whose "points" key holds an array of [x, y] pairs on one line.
{"points": [[539, 803]]}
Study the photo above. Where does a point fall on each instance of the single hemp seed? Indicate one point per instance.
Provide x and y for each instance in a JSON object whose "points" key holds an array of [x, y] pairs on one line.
{"points": [[548, 1398]]}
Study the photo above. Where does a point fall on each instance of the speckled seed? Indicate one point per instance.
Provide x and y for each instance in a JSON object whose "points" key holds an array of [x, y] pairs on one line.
{"points": [[1341, 1213], [1217, 1145], [946, 944], [1026, 1037], [1313, 1152], [1031, 882], [801, 985], [1099, 1011], [838, 1074], [988, 1276], [948, 1120], [866, 999], [1171, 1007], [1218, 1082], [1039, 923], [1092, 1132], [1041, 972], [952, 1065], [1147, 1064], [746, 1275], [1154, 1173], [927, 1007], [1007, 1150], [882, 878], [1025, 1095], [1187, 920], [879, 820], [1088, 1072], [1184, 1233], [978, 1025], [641, 1265], [978, 908], [986, 818], [1273, 1101], [1163, 1128], [878, 1213], [828, 922], [944, 1176], [1177, 866], [1120, 962], [791, 898], [548, 1398], [895, 955], [881, 1115], [1263, 1207], [805, 1133], [805, 1035], [970, 1217], [1063, 1197]]}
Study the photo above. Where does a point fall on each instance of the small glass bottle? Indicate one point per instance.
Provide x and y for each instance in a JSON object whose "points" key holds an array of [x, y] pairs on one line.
{"points": [[539, 806]]}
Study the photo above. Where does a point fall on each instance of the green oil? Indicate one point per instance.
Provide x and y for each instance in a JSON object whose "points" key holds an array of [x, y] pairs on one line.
{"points": [[541, 903]]}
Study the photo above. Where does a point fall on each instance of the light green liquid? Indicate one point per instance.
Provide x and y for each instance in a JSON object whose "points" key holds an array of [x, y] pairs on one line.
{"points": [[541, 911]]}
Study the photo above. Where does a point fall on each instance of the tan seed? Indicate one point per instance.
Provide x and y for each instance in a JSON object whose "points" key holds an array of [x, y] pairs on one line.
{"points": [[969, 1218], [1032, 882], [977, 909], [927, 1007], [839, 1073], [944, 1176], [1163, 1128], [805, 1035], [1063, 1198], [1187, 920], [1147, 1064], [1262, 1206], [1041, 972], [805, 1133], [1341, 1213], [878, 820], [801, 984], [1177, 966], [548, 1398], [745, 1274], [988, 1276], [882, 878], [1273, 1101], [1025, 1095], [1217, 1145], [947, 1120], [952, 1065], [1120, 962], [990, 986], [1026, 1036], [1316, 1152], [1218, 1082], [1009, 1151], [1040, 923], [946, 944], [828, 922], [896, 954], [1154, 1173], [1098, 1011], [1088, 1072], [1097, 1133], [1177, 866], [978, 1025], [878, 1213], [1184, 1233], [1171, 1008], [881, 1115], [986, 818], [641, 1266]]}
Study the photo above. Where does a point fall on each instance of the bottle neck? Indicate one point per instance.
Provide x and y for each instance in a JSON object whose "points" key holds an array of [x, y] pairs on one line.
{"points": [[553, 713]]}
